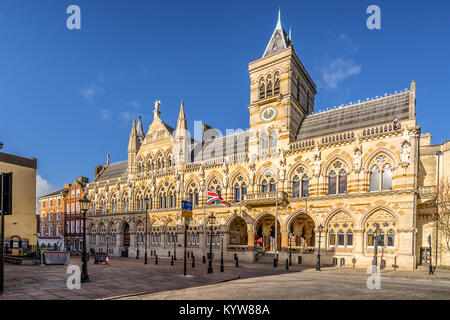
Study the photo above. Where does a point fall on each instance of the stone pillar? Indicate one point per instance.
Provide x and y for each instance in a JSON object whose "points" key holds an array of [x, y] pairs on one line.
{"points": [[284, 241], [358, 241], [251, 240]]}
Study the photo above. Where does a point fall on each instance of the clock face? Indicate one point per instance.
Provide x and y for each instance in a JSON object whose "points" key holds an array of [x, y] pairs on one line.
{"points": [[268, 114]]}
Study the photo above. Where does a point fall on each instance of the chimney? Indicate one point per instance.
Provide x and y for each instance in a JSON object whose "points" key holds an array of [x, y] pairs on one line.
{"points": [[67, 185], [98, 169]]}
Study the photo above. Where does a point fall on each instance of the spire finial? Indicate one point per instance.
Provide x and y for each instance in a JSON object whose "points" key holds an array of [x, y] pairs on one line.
{"points": [[279, 19], [290, 33]]}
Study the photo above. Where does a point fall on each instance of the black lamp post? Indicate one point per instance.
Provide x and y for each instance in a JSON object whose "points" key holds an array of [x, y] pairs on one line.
{"points": [[212, 221], [290, 248], [375, 251], [438, 154], [146, 224], [430, 269], [107, 244], [174, 239], [84, 205], [221, 255], [320, 229]]}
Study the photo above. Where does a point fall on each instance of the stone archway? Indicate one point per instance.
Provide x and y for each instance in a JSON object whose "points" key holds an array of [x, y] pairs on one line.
{"points": [[265, 233], [237, 232], [125, 239], [301, 227]]}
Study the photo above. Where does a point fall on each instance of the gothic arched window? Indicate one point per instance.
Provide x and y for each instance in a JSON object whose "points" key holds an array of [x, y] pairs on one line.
{"points": [[237, 193], [305, 186], [341, 238], [342, 181], [262, 89], [390, 238], [273, 141], [269, 90], [295, 187], [264, 186], [331, 238], [276, 88], [263, 143], [370, 239], [386, 179], [272, 186], [349, 239], [374, 179], [332, 183]]}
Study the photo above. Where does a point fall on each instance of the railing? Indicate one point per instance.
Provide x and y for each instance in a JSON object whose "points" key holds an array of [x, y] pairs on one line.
{"points": [[301, 144], [237, 247], [265, 198]]}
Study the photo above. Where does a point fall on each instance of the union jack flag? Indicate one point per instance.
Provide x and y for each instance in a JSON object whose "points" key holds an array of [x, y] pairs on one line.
{"points": [[212, 196]]}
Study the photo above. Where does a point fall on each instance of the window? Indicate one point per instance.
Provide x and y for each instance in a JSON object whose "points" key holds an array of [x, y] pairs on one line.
{"points": [[263, 142], [341, 239], [273, 141], [51, 203], [370, 239], [386, 180], [237, 193], [374, 179], [390, 238], [276, 88], [305, 186], [342, 182], [243, 190], [59, 202], [68, 208], [295, 187], [381, 239], [349, 239], [78, 193], [332, 239], [269, 86], [332, 183], [272, 186], [72, 193], [264, 186], [262, 89]]}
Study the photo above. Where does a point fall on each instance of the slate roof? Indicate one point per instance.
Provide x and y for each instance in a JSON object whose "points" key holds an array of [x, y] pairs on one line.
{"points": [[112, 171], [365, 114], [279, 40], [54, 193]]}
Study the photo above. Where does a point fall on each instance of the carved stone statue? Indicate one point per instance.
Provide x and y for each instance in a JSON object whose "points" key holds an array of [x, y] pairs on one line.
{"points": [[404, 157], [178, 180], [358, 158], [316, 158], [282, 165], [252, 168], [225, 174], [406, 138], [153, 182], [107, 158], [202, 174]]}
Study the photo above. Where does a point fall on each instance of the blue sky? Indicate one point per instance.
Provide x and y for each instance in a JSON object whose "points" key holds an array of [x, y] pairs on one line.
{"points": [[67, 97]]}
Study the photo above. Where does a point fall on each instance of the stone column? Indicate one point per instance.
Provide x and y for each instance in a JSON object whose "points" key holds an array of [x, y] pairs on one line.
{"points": [[251, 240], [358, 241], [284, 241]]}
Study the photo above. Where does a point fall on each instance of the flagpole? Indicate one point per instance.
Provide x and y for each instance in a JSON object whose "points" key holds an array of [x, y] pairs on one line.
{"points": [[204, 226]]}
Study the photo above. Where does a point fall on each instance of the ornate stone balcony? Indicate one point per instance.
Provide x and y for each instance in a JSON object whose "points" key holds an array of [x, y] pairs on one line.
{"points": [[265, 198]]}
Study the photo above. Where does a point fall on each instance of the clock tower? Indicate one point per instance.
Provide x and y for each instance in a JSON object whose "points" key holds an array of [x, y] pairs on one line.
{"points": [[281, 95]]}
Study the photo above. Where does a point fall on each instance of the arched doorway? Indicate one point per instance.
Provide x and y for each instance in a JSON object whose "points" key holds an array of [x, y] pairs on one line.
{"points": [[302, 228], [265, 234], [126, 239], [237, 231]]}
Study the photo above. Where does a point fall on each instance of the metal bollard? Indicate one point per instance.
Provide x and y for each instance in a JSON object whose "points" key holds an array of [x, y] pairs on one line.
{"points": [[287, 264], [156, 259], [237, 262], [171, 261], [193, 262], [168, 253]]}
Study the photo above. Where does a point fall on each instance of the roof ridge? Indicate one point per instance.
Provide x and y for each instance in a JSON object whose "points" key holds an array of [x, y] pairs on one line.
{"points": [[360, 102]]}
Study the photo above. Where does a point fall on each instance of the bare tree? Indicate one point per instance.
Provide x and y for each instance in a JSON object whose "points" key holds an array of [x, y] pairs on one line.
{"points": [[443, 202]]}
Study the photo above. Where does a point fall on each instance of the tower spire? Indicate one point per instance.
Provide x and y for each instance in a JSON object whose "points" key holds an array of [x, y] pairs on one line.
{"points": [[181, 122], [133, 143], [140, 131], [279, 39]]}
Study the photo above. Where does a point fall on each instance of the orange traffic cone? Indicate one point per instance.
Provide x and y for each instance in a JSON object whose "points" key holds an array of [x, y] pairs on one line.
{"points": [[107, 260]]}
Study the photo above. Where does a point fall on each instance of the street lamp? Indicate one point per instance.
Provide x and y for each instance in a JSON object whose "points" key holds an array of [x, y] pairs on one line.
{"points": [[291, 236], [84, 205], [375, 251], [430, 269], [320, 229], [212, 221], [438, 154], [146, 223], [221, 255]]}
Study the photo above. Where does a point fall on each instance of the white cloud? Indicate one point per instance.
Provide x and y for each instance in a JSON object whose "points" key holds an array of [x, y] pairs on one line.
{"points": [[135, 103], [43, 187], [339, 70], [105, 114], [93, 89]]}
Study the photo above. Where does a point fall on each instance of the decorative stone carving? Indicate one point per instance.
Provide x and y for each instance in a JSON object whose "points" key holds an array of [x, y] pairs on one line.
{"points": [[225, 174], [316, 159], [358, 158], [282, 165], [406, 149], [252, 168]]}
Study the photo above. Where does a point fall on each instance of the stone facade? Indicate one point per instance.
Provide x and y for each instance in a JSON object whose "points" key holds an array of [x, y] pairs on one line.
{"points": [[346, 169]]}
